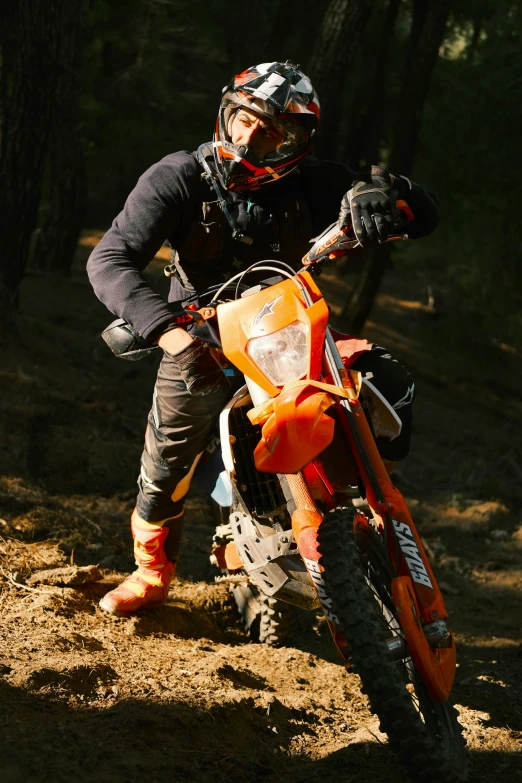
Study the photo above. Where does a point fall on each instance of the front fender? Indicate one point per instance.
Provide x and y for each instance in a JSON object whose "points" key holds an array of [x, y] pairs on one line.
{"points": [[297, 430]]}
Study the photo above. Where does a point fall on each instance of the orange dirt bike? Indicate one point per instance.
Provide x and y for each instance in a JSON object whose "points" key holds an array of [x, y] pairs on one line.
{"points": [[313, 518], [297, 445]]}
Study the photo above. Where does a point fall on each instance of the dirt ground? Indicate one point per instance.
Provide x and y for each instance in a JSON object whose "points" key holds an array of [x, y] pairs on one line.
{"points": [[180, 693]]}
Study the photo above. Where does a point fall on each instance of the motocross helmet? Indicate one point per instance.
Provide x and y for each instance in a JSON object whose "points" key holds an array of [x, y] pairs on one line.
{"points": [[281, 93]]}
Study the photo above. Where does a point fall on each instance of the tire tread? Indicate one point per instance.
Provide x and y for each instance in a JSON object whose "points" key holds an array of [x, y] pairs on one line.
{"points": [[354, 606]]}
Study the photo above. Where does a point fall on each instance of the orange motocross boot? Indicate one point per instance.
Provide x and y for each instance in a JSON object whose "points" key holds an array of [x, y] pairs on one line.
{"points": [[149, 585]]}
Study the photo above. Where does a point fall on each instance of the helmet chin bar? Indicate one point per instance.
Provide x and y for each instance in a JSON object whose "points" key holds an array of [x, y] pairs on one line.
{"points": [[241, 173], [239, 168]]}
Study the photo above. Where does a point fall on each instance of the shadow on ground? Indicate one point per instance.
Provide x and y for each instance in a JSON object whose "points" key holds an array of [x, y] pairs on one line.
{"points": [[136, 740]]}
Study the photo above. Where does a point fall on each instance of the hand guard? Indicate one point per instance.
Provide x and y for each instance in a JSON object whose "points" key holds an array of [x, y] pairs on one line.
{"points": [[368, 206], [125, 342]]}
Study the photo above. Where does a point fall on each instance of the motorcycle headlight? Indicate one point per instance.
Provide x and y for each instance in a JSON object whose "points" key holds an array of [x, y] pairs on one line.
{"points": [[283, 355]]}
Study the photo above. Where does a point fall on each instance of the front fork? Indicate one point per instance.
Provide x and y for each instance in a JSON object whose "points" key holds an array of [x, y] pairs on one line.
{"points": [[388, 506], [421, 610], [419, 602]]}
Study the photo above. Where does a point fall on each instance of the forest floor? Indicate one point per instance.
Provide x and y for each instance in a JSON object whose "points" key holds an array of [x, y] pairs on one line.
{"points": [[180, 693]]}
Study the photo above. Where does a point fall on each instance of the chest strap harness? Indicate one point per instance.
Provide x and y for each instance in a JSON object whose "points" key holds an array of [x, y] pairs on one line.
{"points": [[236, 234]]}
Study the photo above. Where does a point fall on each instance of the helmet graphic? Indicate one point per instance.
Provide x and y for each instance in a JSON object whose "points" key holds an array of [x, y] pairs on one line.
{"points": [[278, 92]]}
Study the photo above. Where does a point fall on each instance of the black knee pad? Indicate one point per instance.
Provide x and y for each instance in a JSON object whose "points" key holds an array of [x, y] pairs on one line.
{"points": [[157, 483]]}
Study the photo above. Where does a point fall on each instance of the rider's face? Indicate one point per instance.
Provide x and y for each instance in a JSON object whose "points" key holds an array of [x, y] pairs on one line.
{"points": [[257, 133]]}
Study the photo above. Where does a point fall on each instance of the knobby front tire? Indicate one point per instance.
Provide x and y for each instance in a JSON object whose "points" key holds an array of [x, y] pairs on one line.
{"points": [[357, 576]]}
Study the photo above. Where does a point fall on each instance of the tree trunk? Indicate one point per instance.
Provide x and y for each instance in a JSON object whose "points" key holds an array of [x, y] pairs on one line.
{"points": [[62, 221], [359, 306], [26, 95], [427, 32], [478, 26], [351, 139], [374, 119], [290, 32], [247, 50], [337, 45]]}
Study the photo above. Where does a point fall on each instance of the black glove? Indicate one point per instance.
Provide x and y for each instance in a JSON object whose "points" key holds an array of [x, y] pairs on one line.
{"points": [[199, 369], [369, 207]]}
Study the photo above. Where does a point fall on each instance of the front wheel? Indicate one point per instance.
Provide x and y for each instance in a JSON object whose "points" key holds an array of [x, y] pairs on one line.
{"points": [[357, 576]]}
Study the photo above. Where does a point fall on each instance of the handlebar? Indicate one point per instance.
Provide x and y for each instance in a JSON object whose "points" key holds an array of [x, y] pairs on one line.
{"points": [[335, 242]]}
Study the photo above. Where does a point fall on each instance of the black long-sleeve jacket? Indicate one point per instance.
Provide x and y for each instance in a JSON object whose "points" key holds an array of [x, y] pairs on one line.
{"points": [[172, 202]]}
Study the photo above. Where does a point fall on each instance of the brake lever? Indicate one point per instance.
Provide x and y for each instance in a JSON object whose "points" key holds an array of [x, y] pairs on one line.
{"points": [[333, 242]]}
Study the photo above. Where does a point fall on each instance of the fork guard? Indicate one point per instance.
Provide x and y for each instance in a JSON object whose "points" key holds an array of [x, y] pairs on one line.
{"points": [[297, 430]]}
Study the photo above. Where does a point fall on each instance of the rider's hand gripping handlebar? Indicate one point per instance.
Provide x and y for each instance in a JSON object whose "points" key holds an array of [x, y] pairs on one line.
{"points": [[335, 242]]}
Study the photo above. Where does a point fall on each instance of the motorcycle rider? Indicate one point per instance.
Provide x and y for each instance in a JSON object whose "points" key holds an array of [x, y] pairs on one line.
{"points": [[253, 193]]}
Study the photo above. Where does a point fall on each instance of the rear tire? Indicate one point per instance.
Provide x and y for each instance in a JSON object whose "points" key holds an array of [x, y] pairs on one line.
{"points": [[357, 575], [266, 620]]}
